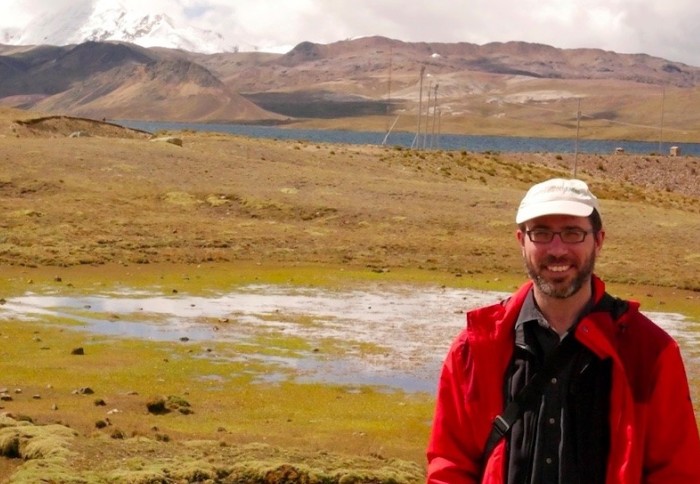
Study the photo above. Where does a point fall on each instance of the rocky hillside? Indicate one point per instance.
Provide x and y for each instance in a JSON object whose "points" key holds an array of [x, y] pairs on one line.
{"points": [[497, 88], [115, 80]]}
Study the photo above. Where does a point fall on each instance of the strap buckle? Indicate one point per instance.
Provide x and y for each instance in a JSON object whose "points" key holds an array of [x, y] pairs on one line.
{"points": [[501, 425]]}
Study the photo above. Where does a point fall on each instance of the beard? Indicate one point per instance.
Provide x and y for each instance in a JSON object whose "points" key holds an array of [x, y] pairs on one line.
{"points": [[557, 288]]}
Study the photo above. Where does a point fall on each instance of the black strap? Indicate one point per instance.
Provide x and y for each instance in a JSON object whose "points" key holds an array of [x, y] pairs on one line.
{"points": [[531, 392]]}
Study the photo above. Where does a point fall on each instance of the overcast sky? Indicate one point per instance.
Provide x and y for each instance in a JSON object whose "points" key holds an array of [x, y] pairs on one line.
{"points": [[664, 28]]}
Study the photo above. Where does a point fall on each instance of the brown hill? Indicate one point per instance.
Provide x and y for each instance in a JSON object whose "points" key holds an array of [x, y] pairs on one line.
{"points": [[513, 88], [113, 80], [510, 58], [168, 89]]}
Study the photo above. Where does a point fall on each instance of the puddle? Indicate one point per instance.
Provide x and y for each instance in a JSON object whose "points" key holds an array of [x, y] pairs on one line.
{"points": [[407, 329]]}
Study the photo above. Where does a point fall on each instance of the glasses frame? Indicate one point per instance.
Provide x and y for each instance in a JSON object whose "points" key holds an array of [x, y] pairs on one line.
{"points": [[583, 233]]}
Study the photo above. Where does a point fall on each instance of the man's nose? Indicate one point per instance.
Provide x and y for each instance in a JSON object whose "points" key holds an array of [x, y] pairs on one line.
{"points": [[557, 246]]}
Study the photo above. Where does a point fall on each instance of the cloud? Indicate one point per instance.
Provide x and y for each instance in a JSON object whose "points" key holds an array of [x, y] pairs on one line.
{"points": [[18, 13], [656, 27]]}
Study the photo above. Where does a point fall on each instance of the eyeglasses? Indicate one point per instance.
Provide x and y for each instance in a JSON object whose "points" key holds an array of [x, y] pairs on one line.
{"points": [[568, 236]]}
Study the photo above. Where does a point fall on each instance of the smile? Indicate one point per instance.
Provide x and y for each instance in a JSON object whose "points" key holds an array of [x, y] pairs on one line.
{"points": [[561, 268]]}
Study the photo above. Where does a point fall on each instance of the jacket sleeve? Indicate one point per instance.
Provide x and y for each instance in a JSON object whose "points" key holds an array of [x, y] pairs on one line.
{"points": [[453, 455], [672, 448]]}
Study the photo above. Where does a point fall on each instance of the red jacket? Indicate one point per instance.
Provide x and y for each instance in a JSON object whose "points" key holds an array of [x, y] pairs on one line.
{"points": [[653, 431]]}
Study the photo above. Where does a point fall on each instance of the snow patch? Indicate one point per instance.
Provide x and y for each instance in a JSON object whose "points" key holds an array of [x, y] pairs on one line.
{"points": [[110, 20]]}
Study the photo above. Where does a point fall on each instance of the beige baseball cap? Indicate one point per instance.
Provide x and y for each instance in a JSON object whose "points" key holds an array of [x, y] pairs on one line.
{"points": [[557, 196]]}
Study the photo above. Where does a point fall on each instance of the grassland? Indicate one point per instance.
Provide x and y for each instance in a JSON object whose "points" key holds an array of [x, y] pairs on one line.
{"points": [[118, 209]]}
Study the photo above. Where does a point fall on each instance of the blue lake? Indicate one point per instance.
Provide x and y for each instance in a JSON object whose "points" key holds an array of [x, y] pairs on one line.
{"points": [[444, 141]]}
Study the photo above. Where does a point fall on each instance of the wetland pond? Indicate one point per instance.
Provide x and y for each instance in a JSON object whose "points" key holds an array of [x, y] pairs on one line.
{"points": [[393, 337]]}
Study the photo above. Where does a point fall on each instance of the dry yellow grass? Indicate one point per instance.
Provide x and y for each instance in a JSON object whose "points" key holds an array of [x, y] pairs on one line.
{"points": [[98, 200]]}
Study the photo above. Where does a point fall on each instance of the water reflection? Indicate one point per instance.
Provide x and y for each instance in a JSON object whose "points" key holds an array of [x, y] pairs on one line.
{"points": [[392, 337]]}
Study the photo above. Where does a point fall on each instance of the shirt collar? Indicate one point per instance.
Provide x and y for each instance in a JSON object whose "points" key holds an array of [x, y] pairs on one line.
{"points": [[530, 312]]}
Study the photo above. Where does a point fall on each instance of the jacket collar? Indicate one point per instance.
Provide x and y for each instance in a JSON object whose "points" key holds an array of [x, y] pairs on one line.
{"points": [[498, 321]]}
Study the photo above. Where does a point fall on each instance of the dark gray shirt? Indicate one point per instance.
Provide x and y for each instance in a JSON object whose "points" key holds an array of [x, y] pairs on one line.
{"points": [[565, 440]]}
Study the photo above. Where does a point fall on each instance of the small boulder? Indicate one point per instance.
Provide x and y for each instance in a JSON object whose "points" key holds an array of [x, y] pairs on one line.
{"points": [[84, 391], [169, 139], [79, 134]]}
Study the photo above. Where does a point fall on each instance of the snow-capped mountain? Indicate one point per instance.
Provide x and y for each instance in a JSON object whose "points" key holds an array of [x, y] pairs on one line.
{"points": [[103, 20]]}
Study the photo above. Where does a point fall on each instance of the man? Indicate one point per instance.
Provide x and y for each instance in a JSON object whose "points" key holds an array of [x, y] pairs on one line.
{"points": [[611, 402]]}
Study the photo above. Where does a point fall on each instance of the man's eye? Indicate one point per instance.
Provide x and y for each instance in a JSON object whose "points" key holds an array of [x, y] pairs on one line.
{"points": [[541, 234], [573, 235]]}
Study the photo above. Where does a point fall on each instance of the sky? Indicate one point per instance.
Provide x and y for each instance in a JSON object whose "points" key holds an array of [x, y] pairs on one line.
{"points": [[663, 28]]}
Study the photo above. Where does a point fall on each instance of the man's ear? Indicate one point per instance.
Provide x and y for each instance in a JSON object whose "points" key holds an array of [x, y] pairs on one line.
{"points": [[599, 239]]}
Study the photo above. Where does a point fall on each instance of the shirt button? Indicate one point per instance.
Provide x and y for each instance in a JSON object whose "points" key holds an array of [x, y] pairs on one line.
{"points": [[552, 421], [554, 381], [548, 460]]}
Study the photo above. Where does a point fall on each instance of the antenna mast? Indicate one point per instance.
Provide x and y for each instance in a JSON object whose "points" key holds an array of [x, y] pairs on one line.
{"points": [[420, 105], [661, 125]]}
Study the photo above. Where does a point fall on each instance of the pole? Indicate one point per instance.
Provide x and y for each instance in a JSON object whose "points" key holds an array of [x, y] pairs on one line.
{"points": [[386, 137], [432, 137], [420, 105], [427, 113], [388, 95], [578, 125], [661, 124]]}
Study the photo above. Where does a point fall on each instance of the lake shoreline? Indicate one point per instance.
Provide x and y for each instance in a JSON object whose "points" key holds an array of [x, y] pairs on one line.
{"points": [[426, 141]]}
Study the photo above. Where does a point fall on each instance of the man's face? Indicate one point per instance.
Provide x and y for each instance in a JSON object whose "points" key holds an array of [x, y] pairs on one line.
{"points": [[560, 264]]}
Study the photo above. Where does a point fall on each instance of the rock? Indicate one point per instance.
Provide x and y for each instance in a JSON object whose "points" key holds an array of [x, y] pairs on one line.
{"points": [[77, 351], [157, 406], [169, 139], [79, 134], [161, 405]]}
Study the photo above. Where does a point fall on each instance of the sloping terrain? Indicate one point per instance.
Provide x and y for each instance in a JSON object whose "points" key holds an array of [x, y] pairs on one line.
{"points": [[253, 199], [111, 80], [370, 83]]}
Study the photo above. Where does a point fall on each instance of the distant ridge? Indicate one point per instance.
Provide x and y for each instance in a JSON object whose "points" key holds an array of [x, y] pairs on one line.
{"points": [[511, 87], [119, 80]]}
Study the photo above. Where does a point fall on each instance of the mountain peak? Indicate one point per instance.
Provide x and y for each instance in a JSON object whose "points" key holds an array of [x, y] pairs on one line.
{"points": [[110, 20]]}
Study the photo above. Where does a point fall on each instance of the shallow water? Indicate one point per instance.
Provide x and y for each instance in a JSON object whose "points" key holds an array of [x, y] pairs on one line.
{"points": [[393, 337]]}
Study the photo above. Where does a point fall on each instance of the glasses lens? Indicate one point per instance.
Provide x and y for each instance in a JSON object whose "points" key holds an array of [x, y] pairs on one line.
{"points": [[541, 236], [572, 236]]}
